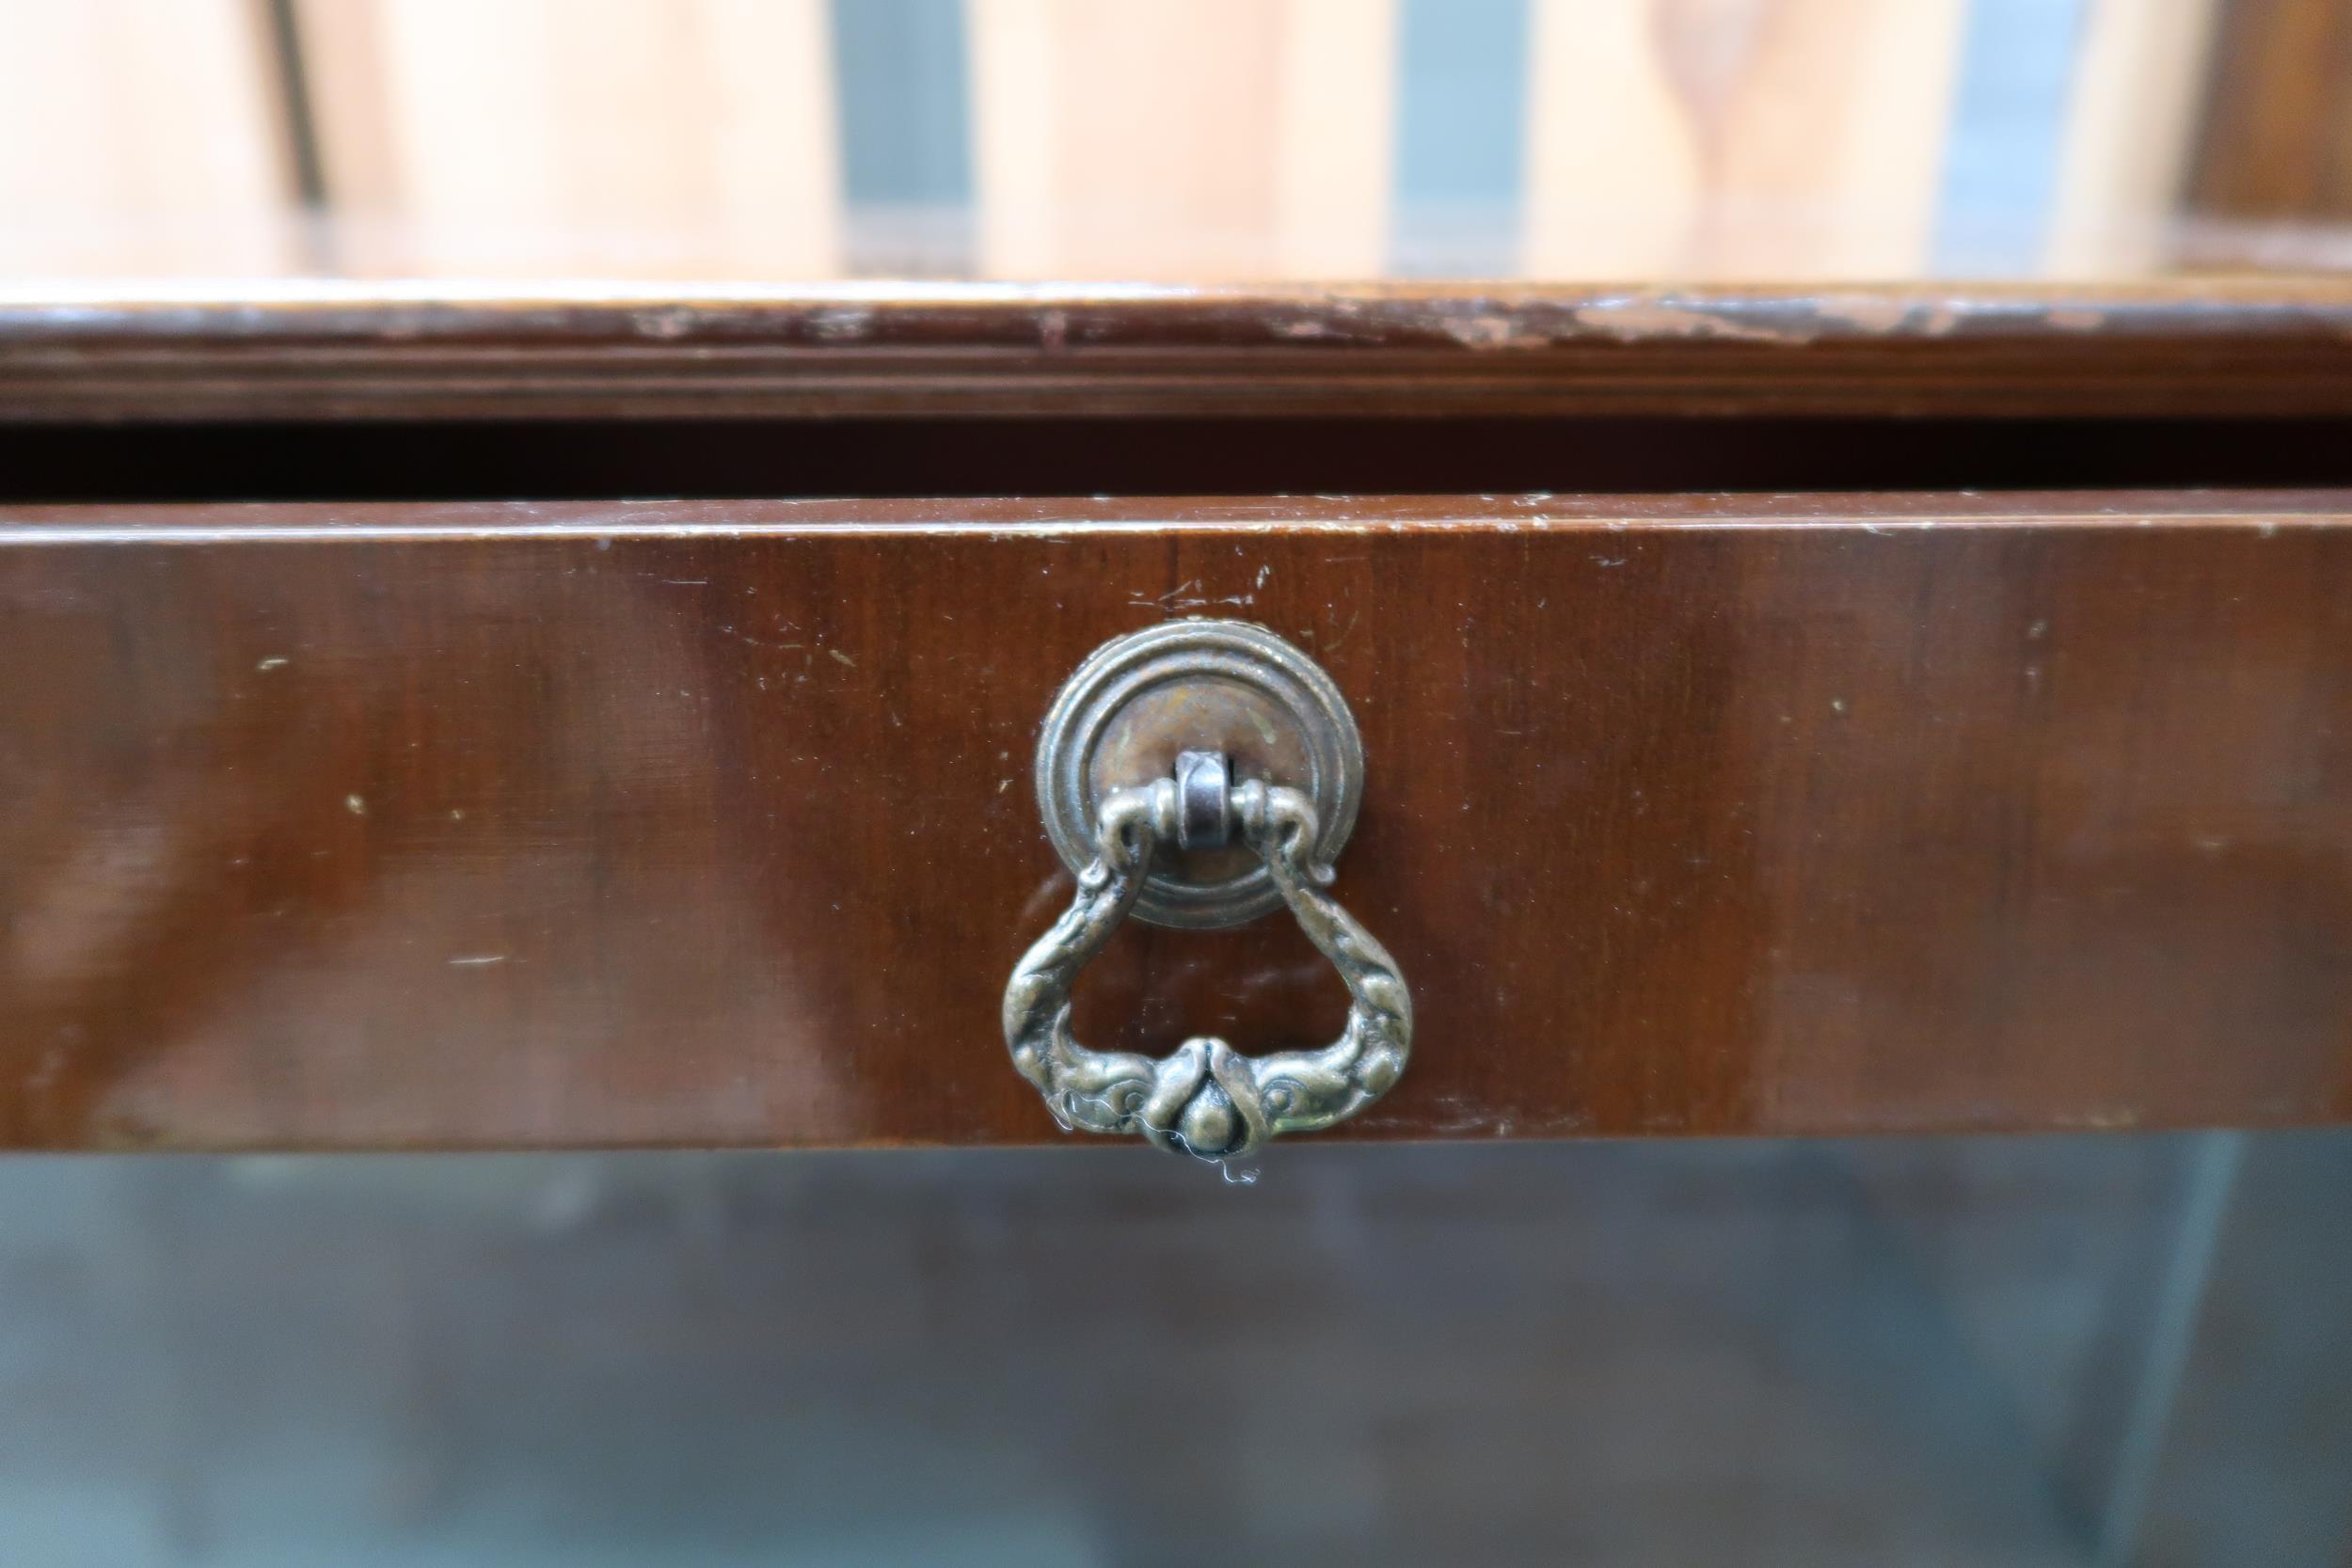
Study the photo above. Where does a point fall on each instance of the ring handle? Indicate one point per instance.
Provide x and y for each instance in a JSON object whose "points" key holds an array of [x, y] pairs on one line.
{"points": [[1204, 1097]]}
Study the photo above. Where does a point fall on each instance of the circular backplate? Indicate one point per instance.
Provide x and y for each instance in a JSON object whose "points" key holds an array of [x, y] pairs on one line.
{"points": [[1197, 686]]}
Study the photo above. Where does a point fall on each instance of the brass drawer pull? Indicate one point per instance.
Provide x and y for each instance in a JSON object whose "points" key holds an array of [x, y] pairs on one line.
{"points": [[1219, 684]]}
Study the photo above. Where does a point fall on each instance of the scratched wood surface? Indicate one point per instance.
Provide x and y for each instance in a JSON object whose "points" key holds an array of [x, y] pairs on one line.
{"points": [[312, 352], [358, 826]]}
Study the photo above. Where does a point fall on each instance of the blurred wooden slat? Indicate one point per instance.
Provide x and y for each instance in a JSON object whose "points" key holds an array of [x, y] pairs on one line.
{"points": [[1224, 139], [1758, 139], [2139, 66], [1337, 129], [2277, 140], [140, 137], [643, 138], [1124, 139], [1013, 134]]}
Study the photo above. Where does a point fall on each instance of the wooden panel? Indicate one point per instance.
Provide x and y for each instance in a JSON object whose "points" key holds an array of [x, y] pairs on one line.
{"points": [[1220, 140], [644, 138], [314, 352], [1737, 139], [139, 137], [541, 824]]}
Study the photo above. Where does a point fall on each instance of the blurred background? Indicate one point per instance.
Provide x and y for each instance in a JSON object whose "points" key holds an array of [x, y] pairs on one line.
{"points": [[1890, 1354], [1198, 140]]}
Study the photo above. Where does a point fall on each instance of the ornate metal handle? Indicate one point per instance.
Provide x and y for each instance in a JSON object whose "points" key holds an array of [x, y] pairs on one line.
{"points": [[1204, 1097]]}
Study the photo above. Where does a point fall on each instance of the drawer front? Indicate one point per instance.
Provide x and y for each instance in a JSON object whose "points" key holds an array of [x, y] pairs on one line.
{"points": [[712, 823]]}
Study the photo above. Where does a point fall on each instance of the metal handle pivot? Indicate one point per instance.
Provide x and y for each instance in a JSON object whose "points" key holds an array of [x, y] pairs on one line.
{"points": [[1204, 1097]]}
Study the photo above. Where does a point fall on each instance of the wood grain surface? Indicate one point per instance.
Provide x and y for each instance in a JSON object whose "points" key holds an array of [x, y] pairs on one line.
{"points": [[314, 351], [708, 823]]}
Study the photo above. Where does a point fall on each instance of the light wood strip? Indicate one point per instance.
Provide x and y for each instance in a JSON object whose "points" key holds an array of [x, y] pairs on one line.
{"points": [[1759, 139], [1014, 120], [1336, 143], [2128, 136], [139, 138], [1224, 139], [611, 137]]}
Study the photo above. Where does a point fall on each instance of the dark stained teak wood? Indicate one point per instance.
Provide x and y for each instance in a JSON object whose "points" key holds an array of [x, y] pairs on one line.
{"points": [[537, 824]]}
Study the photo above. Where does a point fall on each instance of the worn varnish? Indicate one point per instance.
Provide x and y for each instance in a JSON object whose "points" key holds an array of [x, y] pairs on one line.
{"points": [[329, 350], [711, 823]]}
